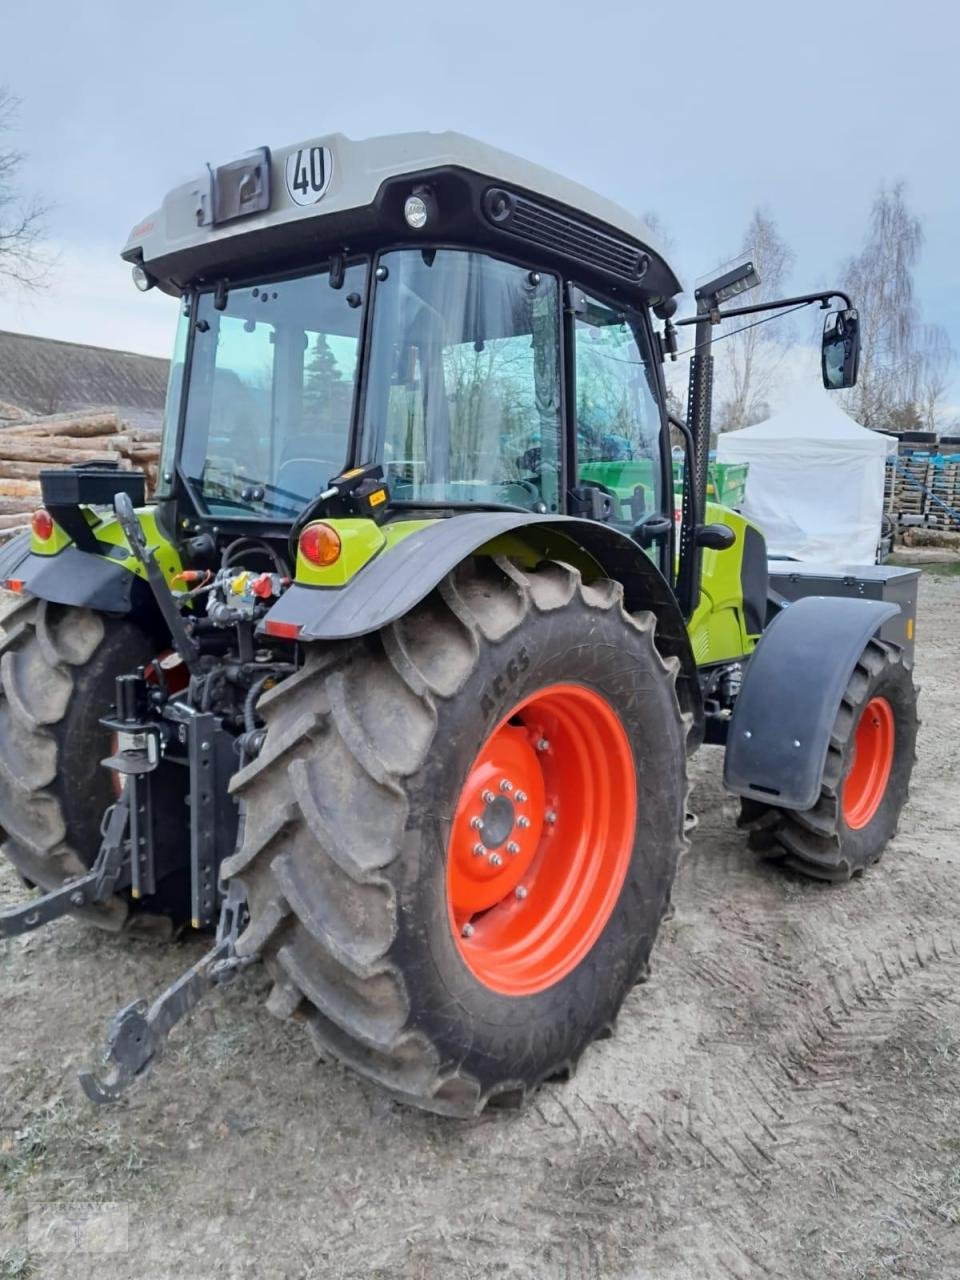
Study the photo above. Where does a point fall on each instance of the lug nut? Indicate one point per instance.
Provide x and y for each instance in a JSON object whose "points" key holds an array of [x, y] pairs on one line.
{"points": [[543, 744], [523, 822], [495, 860], [550, 817], [521, 797], [505, 785], [477, 824], [467, 931], [520, 892], [487, 797], [513, 847], [479, 850]]}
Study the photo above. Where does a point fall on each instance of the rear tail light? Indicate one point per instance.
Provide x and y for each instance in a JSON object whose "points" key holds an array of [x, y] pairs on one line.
{"points": [[42, 524], [320, 544]]}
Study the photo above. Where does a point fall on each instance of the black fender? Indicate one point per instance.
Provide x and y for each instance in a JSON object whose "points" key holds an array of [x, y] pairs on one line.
{"points": [[792, 686], [75, 577], [12, 554], [399, 578]]}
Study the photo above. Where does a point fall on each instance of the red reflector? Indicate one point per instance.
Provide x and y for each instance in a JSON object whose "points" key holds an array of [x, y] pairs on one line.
{"points": [[282, 630], [15, 584], [42, 524]]}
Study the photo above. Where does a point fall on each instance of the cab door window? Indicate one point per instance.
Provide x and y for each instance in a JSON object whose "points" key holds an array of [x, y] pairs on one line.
{"points": [[618, 423]]}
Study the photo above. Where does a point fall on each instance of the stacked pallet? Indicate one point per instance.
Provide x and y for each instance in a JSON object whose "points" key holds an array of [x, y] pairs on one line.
{"points": [[60, 440], [945, 486], [910, 483]]}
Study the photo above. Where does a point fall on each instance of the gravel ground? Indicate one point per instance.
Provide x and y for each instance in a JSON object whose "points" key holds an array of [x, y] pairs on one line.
{"points": [[782, 1099]]}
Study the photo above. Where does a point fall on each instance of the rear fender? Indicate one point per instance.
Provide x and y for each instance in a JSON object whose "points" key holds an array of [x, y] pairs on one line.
{"points": [[109, 579], [393, 583], [792, 687]]}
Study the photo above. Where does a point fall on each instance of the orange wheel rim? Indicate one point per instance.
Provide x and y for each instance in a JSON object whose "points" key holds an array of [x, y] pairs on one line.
{"points": [[869, 771], [541, 839]]}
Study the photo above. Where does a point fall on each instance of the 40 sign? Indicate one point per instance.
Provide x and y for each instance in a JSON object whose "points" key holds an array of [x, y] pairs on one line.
{"points": [[308, 171]]}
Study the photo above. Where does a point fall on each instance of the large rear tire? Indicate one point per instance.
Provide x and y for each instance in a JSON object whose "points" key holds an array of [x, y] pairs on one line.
{"points": [[58, 665], [865, 783], [389, 920]]}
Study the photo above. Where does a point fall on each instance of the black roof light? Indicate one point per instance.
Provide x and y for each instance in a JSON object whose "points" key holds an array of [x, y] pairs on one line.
{"points": [[734, 280]]}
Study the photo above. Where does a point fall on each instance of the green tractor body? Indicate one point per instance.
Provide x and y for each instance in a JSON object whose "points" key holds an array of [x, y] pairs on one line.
{"points": [[396, 678]]}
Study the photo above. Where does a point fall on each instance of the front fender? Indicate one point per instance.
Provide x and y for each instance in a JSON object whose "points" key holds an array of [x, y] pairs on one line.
{"points": [[792, 686], [393, 583]]}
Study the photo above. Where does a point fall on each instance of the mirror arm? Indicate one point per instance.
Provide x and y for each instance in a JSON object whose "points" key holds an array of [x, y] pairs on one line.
{"points": [[716, 316]]}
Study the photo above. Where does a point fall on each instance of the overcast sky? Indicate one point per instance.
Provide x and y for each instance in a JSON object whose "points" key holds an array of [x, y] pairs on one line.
{"points": [[699, 112]]}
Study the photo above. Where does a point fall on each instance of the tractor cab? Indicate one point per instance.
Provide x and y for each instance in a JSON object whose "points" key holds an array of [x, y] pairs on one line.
{"points": [[486, 342]]}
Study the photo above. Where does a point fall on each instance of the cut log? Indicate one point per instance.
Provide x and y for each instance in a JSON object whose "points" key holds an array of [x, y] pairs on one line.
{"points": [[41, 451], [116, 444], [100, 423], [11, 469], [7, 534], [24, 506], [19, 488], [15, 522]]}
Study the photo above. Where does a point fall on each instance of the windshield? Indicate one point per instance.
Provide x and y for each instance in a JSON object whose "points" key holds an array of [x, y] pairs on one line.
{"points": [[270, 393], [463, 396]]}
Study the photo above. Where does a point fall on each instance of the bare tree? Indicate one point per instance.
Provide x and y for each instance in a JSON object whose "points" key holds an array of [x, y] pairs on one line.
{"points": [[931, 375], [751, 358], [880, 282], [22, 261]]}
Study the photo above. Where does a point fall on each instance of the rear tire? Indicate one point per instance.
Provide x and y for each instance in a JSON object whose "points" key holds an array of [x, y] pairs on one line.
{"points": [[859, 807], [346, 821], [57, 670]]}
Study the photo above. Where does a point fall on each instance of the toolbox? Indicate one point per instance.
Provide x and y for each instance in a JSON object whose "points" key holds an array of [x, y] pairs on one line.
{"points": [[791, 579]]}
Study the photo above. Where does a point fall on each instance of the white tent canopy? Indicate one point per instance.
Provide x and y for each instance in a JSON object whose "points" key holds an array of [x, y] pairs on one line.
{"points": [[815, 484]]}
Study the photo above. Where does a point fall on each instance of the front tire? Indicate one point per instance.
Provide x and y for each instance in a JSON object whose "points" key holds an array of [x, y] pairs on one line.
{"points": [[411, 958], [865, 783]]}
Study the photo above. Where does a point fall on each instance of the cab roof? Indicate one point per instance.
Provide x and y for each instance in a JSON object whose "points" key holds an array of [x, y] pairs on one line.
{"points": [[282, 208]]}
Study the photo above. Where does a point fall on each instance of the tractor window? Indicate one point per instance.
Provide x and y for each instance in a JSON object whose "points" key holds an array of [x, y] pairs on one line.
{"points": [[463, 390], [618, 417], [270, 394], [171, 407]]}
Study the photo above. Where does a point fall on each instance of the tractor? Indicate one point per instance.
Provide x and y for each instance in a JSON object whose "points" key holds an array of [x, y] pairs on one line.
{"points": [[393, 684]]}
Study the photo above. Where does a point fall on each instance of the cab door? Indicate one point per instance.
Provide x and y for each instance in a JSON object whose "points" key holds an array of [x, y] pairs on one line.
{"points": [[618, 422]]}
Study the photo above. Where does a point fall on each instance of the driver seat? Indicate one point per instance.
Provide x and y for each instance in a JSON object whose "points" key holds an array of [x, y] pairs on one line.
{"points": [[308, 461]]}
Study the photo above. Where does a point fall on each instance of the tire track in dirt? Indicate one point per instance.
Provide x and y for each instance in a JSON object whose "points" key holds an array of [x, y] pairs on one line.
{"points": [[766, 1124]]}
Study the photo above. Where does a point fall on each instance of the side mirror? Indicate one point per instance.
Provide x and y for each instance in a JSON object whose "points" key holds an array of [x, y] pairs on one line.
{"points": [[840, 349], [715, 537]]}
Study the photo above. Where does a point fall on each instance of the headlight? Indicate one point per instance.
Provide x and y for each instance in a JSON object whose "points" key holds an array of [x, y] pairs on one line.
{"points": [[419, 208], [142, 278]]}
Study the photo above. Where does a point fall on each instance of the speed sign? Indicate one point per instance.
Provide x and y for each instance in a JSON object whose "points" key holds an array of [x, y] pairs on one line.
{"points": [[307, 172]]}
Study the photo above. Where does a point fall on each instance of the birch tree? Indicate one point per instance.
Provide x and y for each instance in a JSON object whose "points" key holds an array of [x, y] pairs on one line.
{"points": [[879, 280], [750, 360]]}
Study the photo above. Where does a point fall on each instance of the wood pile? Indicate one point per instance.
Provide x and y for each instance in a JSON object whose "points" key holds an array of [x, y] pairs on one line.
{"points": [[27, 448]]}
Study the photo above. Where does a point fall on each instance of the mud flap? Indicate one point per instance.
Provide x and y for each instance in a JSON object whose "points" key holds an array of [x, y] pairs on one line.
{"points": [[780, 729]]}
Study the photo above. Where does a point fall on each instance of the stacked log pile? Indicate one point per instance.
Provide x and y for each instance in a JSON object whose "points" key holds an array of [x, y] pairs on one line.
{"points": [[27, 448]]}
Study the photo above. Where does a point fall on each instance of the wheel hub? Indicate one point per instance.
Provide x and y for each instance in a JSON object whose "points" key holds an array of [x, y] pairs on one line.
{"points": [[541, 839], [499, 816]]}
